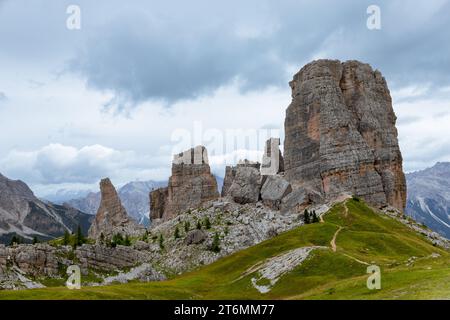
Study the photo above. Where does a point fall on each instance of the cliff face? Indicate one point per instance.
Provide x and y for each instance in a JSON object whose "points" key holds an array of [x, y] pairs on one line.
{"points": [[111, 216], [340, 134], [191, 183], [23, 214]]}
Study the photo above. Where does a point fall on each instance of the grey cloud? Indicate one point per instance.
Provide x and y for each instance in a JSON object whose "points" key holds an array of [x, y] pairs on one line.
{"points": [[141, 55]]}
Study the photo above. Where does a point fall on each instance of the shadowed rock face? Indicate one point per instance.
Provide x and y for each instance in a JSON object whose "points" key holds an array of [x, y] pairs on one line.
{"points": [[158, 199], [341, 135], [111, 216]]}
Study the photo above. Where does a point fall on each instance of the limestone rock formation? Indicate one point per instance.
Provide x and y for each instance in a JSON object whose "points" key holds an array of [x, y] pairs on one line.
{"points": [[340, 134], [230, 174], [246, 185], [158, 199], [111, 217], [274, 189], [191, 183], [133, 195]]}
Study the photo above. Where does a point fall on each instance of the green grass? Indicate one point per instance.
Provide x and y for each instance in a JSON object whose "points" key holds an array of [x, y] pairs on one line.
{"points": [[366, 237]]}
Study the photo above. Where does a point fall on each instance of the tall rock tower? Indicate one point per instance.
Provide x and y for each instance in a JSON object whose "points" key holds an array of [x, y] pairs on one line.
{"points": [[340, 134], [190, 185], [111, 217]]}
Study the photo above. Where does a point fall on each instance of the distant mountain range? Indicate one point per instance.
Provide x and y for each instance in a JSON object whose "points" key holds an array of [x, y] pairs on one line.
{"points": [[134, 196], [23, 214], [429, 197]]}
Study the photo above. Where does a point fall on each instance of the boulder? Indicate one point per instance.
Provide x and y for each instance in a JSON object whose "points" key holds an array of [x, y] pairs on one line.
{"points": [[195, 237], [246, 185], [296, 201], [274, 189]]}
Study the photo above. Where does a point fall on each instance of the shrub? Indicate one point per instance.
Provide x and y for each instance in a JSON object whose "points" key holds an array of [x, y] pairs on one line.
{"points": [[145, 236], [176, 234], [199, 225], [215, 246], [187, 226]]}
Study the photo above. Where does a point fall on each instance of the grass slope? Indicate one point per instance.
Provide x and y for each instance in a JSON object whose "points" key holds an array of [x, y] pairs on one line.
{"points": [[365, 238]]}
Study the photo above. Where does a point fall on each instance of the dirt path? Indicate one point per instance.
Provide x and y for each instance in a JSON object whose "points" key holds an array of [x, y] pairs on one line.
{"points": [[357, 260], [333, 241]]}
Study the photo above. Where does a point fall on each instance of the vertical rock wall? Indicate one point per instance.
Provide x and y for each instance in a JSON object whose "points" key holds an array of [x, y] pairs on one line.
{"points": [[341, 135]]}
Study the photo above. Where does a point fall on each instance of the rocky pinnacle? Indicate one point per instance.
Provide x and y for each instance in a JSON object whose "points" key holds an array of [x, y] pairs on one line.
{"points": [[341, 135], [111, 216]]}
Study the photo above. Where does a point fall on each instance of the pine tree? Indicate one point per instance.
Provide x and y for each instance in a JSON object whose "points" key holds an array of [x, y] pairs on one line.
{"points": [[207, 223], [199, 225], [35, 240], [66, 238], [102, 238], [315, 217], [79, 237], [306, 217], [215, 246], [161, 241], [176, 233], [14, 240]]}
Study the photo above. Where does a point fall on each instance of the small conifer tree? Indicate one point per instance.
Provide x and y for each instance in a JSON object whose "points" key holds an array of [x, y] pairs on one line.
{"points": [[207, 223], [161, 241], [306, 217], [215, 246]]}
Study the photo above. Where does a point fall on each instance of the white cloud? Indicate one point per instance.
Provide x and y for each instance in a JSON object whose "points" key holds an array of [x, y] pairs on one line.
{"points": [[423, 127], [59, 166]]}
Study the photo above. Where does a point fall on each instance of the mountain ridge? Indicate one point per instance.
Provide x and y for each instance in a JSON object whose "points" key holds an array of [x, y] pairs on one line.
{"points": [[23, 214], [429, 197]]}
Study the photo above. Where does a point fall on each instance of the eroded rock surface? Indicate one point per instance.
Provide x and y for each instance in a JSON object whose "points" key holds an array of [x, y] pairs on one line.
{"points": [[158, 200], [111, 217], [341, 135], [191, 183], [274, 189]]}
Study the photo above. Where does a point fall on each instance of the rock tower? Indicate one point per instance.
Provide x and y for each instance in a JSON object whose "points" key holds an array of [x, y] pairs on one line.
{"points": [[340, 134]]}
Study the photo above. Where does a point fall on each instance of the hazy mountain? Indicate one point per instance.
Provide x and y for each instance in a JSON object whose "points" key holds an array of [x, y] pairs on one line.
{"points": [[134, 196], [23, 214], [429, 197]]}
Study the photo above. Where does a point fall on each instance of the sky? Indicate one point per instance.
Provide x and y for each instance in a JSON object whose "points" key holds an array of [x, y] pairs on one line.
{"points": [[141, 80]]}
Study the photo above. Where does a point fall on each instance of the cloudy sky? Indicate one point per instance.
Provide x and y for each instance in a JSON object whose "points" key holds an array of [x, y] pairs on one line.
{"points": [[143, 79]]}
